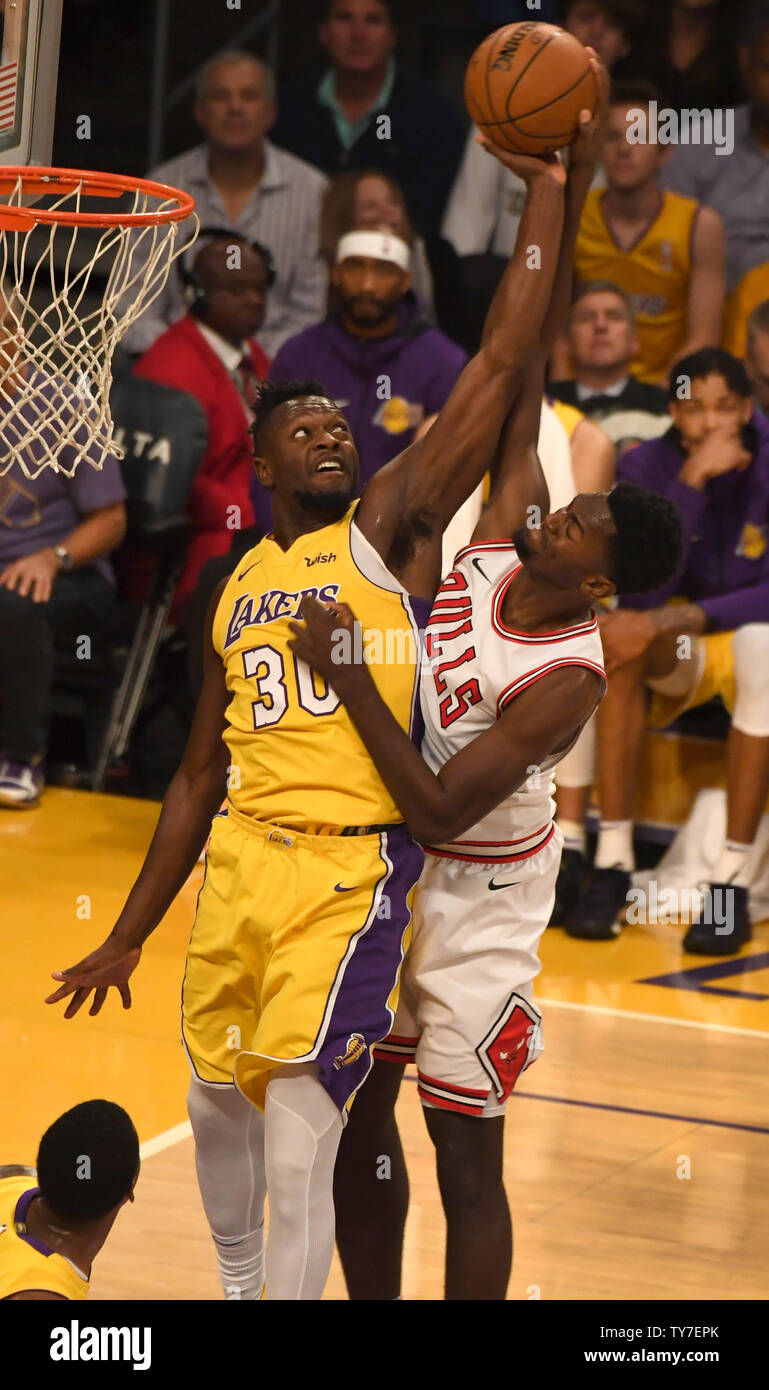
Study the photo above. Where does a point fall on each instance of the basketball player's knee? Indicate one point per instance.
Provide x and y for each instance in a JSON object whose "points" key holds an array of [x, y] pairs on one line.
{"points": [[469, 1174], [750, 651]]}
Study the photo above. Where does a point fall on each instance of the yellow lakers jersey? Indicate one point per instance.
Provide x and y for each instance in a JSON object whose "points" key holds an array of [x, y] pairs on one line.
{"points": [[655, 274], [752, 290], [295, 757], [26, 1263]]}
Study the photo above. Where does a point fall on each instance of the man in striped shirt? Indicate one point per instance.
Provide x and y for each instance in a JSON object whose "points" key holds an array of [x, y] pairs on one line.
{"points": [[240, 180]]}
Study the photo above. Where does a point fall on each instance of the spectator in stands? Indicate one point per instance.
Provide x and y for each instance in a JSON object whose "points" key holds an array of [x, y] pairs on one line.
{"points": [[665, 251], [212, 352], [752, 291], [691, 53], [757, 355], [366, 198], [713, 640], [736, 182], [368, 111], [601, 340], [378, 356], [240, 179], [56, 582], [486, 200], [55, 1219]]}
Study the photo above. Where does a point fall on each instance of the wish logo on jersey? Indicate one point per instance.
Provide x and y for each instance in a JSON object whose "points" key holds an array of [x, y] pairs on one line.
{"points": [[276, 603]]}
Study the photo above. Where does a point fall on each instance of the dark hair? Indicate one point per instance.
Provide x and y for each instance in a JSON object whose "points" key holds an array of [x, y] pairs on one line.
{"points": [[87, 1161], [648, 546], [602, 287], [634, 92], [706, 362], [627, 15], [753, 23], [337, 209], [326, 7], [275, 393]]}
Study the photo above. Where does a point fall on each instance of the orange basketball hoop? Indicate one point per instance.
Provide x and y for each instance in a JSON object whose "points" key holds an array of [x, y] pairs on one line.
{"points": [[58, 329]]}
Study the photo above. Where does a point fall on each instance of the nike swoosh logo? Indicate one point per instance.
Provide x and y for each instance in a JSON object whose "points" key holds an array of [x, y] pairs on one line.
{"points": [[339, 889], [477, 564], [493, 885], [248, 571]]}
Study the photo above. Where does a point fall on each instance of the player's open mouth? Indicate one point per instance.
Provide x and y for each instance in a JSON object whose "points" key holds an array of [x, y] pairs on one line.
{"points": [[332, 466]]}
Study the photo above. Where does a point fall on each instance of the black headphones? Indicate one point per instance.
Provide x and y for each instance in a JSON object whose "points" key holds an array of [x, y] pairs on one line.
{"points": [[194, 293]]}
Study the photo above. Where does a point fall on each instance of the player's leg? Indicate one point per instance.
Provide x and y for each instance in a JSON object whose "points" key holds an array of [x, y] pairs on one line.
{"points": [[479, 1233], [673, 670], [371, 1189], [723, 925], [303, 1126], [229, 1158]]}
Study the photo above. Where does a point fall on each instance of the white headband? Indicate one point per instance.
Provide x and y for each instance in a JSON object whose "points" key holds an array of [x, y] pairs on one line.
{"points": [[378, 246]]}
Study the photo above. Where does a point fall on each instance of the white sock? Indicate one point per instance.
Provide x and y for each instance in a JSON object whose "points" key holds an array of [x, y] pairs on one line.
{"points": [[574, 834], [731, 861], [241, 1265], [615, 846], [302, 1131]]}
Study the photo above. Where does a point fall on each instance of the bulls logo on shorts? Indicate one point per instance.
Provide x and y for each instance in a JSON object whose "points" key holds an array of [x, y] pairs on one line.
{"points": [[512, 1044]]}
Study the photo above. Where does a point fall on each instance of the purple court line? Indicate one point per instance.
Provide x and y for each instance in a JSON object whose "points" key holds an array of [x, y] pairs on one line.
{"points": [[631, 1110]]}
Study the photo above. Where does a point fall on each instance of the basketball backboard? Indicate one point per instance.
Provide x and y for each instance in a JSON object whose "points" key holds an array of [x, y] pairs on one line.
{"points": [[29, 64]]}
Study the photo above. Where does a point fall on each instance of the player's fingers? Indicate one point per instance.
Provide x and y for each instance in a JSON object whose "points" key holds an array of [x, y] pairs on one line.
{"points": [[125, 995], [60, 993], [76, 1002], [98, 999]]}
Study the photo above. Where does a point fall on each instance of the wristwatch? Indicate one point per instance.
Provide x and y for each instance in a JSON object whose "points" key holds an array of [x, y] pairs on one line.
{"points": [[63, 556]]}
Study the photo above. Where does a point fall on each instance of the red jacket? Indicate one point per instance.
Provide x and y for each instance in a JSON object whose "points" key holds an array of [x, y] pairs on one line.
{"points": [[182, 358]]}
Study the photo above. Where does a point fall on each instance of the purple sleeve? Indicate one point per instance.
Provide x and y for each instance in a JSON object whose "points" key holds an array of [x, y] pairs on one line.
{"points": [[636, 466], [92, 488], [728, 611]]}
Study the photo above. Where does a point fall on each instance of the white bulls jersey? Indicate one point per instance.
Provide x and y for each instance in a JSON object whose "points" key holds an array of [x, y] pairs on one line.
{"points": [[476, 667]]}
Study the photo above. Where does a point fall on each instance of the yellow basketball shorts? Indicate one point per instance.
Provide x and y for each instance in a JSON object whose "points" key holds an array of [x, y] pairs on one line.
{"points": [[295, 953], [712, 675]]}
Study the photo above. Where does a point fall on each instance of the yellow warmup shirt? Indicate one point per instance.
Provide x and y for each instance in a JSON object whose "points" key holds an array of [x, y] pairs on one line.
{"points": [[568, 415], [655, 274], [751, 291], [26, 1263], [296, 759]]}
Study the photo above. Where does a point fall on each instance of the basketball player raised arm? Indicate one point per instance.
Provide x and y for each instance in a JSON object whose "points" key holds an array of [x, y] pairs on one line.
{"points": [[545, 718]]}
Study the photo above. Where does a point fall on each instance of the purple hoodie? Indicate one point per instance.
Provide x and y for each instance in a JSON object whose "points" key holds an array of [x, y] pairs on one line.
{"points": [[421, 366], [725, 569]]}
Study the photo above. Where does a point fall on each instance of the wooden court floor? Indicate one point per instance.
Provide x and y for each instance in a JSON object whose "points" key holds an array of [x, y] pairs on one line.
{"points": [[637, 1158]]}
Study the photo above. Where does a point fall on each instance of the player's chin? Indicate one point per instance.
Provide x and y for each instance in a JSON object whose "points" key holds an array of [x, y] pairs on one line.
{"points": [[522, 541], [329, 500]]}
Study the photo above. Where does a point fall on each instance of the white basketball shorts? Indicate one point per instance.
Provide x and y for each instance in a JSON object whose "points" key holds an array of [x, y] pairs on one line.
{"points": [[465, 1013]]}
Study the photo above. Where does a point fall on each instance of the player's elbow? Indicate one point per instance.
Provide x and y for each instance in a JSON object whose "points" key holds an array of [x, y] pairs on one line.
{"points": [[437, 828]]}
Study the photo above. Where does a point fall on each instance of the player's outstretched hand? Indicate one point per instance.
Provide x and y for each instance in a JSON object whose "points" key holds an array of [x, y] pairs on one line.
{"points": [[325, 639], [109, 965], [528, 167]]}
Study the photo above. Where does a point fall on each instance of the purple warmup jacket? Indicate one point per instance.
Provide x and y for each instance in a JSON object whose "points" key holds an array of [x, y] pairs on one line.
{"points": [[725, 569], [421, 366]]}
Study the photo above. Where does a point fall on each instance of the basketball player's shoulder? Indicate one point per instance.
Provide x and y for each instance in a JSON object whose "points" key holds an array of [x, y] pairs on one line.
{"points": [[486, 561]]}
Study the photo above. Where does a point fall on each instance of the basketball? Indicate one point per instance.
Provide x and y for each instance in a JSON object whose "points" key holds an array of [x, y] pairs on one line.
{"points": [[526, 85]]}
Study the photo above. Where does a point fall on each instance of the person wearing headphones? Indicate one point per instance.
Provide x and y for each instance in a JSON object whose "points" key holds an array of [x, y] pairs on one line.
{"points": [[213, 354]]}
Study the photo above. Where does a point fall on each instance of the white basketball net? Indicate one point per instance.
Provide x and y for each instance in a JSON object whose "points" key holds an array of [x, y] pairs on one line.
{"points": [[59, 329]]}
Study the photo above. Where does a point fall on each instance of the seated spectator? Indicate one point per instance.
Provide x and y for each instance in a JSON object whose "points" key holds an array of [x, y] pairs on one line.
{"points": [[213, 353], [690, 52], [366, 198], [54, 1223], [240, 179], [487, 199], [601, 340], [366, 110], [377, 355], [757, 355], [665, 251], [56, 582], [752, 291], [705, 635], [736, 182]]}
